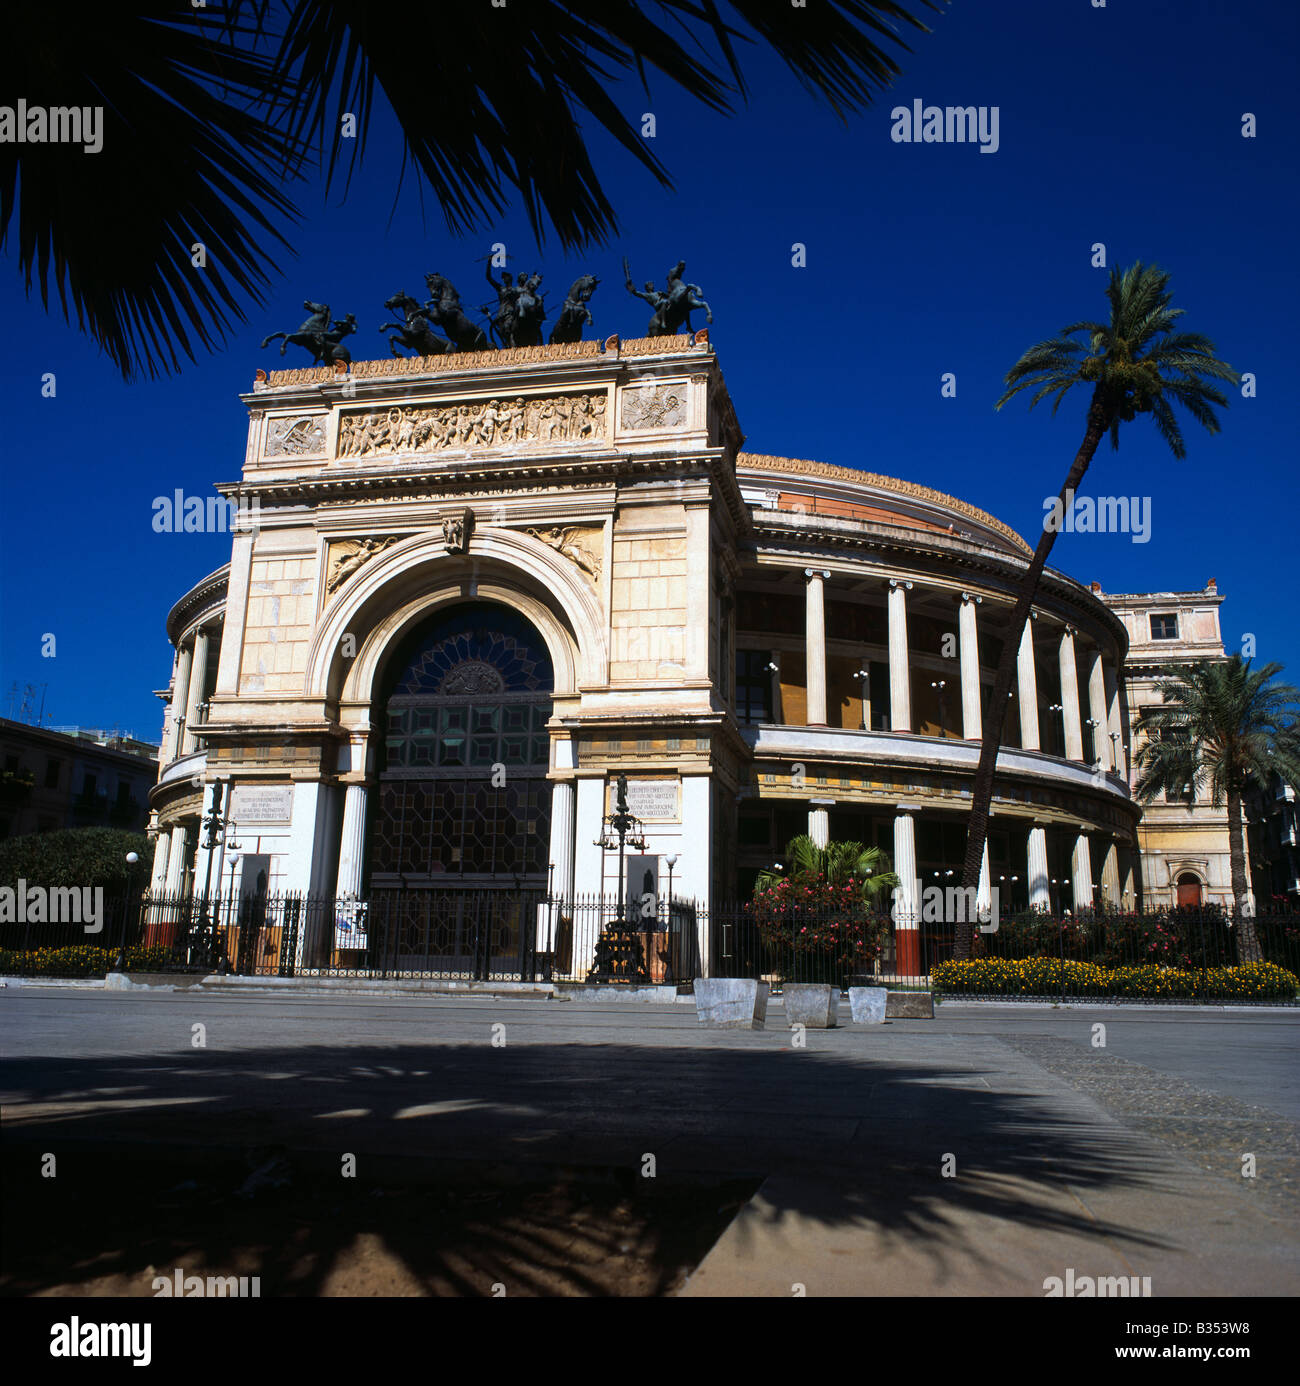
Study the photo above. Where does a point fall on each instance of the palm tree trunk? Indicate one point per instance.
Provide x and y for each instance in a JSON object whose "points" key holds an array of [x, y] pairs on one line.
{"points": [[1248, 949], [1099, 420]]}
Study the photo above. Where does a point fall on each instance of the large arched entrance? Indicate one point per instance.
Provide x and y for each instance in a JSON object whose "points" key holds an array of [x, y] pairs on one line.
{"points": [[460, 834]]}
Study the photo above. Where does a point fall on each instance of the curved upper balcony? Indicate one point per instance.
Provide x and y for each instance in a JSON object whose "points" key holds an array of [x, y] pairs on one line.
{"points": [[917, 751]]}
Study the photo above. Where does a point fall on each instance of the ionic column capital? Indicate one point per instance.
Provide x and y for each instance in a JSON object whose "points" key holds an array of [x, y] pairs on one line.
{"points": [[823, 573], [901, 582]]}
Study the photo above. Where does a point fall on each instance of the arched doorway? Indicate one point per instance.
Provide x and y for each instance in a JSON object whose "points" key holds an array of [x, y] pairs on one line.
{"points": [[460, 834], [1189, 891], [463, 793]]}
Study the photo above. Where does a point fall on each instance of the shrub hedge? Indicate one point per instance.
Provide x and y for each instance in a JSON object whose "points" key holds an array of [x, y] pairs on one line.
{"points": [[1259, 981], [84, 960]]}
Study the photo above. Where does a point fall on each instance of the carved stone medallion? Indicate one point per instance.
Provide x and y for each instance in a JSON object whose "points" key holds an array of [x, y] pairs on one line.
{"points": [[653, 406], [300, 437]]}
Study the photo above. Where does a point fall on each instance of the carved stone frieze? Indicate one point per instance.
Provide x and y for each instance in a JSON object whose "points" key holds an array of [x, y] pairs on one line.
{"points": [[497, 423], [295, 437], [348, 556], [580, 544], [653, 406]]}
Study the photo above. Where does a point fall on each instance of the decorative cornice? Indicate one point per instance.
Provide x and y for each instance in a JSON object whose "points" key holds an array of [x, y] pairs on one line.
{"points": [[196, 601], [477, 360], [797, 466]]}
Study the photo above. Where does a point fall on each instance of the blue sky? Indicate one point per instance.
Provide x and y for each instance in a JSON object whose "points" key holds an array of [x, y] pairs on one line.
{"points": [[1120, 125]]}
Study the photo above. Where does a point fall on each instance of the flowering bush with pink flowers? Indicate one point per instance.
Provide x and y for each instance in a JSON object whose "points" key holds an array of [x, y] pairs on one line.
{"points": [[815, 930]]}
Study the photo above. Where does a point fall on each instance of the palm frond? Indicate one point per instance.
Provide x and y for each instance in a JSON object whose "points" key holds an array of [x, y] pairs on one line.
{"points": [[209, 117]]}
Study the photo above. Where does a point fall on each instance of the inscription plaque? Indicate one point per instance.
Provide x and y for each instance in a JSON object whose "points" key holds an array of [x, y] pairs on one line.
{"points": [[651, 800], [258, 803]]}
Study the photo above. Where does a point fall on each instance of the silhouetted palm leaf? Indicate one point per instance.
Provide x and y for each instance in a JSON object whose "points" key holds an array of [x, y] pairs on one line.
{"points": [[208, 113]]}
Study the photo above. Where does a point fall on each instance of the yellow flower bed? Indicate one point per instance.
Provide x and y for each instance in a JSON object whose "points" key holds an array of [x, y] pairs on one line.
{"points": [[1050, 976], [82, 960]]}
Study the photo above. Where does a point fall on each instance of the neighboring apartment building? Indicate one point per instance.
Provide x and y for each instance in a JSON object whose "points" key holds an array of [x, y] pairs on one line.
{"points": [[1183, 841], [1274, 812], [72, 777]]}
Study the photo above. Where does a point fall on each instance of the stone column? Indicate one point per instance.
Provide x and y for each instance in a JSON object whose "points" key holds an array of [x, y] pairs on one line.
{"points": [[907, 913], [352, 843], [158, 877], [198, 680], [1114, 721], [1110, 875], [819, 820], [176, 861], [1040, 890], [1097, 711], [969, 648], [815, 644], [1070, 697], [900, 685], [1027, 689], [589, 916], [563, 801], [1129, 895], [176, 706], [1081, 872]]}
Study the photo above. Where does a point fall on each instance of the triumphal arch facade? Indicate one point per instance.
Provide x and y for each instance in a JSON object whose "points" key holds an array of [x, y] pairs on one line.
{"points": [[467, 593]]}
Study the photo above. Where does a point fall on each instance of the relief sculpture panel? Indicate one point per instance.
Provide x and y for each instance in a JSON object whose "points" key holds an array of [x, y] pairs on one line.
{"points": [[295, 437], [653, 406], [454, 427]]}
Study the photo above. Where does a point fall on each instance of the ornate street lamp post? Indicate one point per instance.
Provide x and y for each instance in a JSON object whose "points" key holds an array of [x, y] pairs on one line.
{"points": [[865, 675], [617, 946], [215, 826], [132, 858], [941, 684]]}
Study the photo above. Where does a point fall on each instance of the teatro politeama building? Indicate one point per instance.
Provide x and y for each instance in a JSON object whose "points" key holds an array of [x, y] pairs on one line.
{"points": [[468, 592]]}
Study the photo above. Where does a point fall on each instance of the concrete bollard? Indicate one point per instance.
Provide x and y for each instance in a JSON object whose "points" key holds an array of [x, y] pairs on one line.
{"points": [[731, 1003], [867, 1005], [910, 1005], [812, 1004]]}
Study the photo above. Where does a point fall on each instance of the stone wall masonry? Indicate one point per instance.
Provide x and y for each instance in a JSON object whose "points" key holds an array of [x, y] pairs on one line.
{"points": [[648, 596], [278, 626]]}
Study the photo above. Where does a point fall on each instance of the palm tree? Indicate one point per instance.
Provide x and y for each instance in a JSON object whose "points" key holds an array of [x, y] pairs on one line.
{"points": [[1221, 724], [1136, 364], [842, 863], [207, 111]]}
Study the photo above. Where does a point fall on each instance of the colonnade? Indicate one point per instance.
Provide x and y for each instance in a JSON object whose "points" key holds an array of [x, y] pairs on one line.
{"points": [[189, 693], [1103, 706]]}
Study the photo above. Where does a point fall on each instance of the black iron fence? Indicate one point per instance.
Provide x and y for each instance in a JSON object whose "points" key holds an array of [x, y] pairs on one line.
{"points": [[515, 934]]}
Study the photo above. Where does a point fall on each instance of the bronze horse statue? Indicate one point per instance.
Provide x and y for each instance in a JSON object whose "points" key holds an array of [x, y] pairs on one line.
{"points": [[415, 333], [443, 310], [673, 309], [530, 310], [575, 315], [318, 335]]}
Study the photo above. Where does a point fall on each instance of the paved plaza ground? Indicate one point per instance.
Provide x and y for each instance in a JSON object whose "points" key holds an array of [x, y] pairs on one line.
{"points": [[539, 1116]]}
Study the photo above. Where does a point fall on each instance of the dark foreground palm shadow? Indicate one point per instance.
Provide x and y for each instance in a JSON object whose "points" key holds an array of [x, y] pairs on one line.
{"points": [[543, 1167]]}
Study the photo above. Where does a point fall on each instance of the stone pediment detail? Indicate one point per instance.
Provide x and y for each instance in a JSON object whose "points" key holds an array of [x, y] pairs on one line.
{"points": [[474, 425], [346, 557], [582, 545], [303, 436]]}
